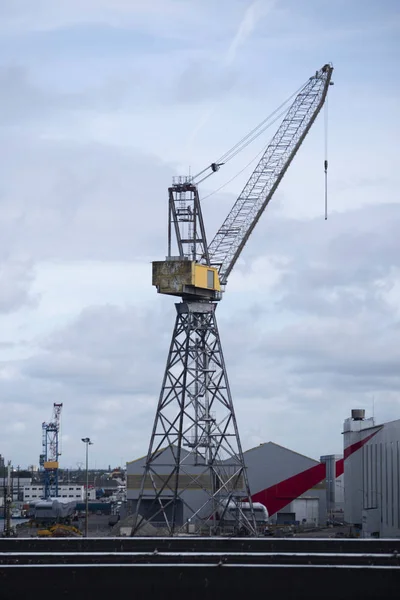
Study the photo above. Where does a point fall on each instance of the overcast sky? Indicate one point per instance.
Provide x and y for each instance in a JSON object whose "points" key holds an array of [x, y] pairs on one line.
{"points": [[101, 103]]}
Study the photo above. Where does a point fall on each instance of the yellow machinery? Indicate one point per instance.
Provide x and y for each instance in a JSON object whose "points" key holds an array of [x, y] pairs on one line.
{"points": [[59, 530], [50, 464], [178, 277]]}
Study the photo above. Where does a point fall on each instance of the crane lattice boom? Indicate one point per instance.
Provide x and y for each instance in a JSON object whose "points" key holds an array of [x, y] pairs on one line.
{"points": [[51, 452], [231, 238]]}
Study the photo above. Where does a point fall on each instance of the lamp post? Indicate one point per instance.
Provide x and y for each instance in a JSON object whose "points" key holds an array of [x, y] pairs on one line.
{"points": [[88, 443], [8, 501]]}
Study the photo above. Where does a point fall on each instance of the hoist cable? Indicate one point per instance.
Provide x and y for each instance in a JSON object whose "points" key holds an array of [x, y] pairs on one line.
{"points": [[234, 177], [249, 137], [257, 135], [244, 168], [326, 156], [227, 156]]}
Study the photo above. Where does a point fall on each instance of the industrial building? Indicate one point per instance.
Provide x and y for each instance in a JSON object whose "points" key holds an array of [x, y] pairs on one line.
{"points": [[371, 475], [360, 488], [194, 483], [291, 486], [17, 485], [70, 491]]}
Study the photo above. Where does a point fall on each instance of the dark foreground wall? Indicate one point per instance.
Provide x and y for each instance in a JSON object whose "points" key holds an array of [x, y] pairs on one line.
{"points": [[200, 568], [202, 582]]}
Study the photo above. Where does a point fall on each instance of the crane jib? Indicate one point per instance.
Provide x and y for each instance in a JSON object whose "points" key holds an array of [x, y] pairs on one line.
{"points": [[229, 241]]}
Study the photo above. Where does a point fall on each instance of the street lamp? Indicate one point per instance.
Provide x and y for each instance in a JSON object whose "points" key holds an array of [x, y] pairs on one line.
{"points": [[88, 443]]}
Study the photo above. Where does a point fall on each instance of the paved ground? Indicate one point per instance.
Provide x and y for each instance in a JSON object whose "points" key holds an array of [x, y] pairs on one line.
{"points": [[327, 532], [98, 527]]}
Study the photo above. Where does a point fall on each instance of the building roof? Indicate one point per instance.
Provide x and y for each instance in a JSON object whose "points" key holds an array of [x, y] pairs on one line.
{"points": [[270, 444], [130, 462], [273, 444]]}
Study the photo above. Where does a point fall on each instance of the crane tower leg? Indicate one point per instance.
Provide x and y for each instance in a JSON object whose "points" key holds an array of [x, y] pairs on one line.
{"points": [[194, 474]]}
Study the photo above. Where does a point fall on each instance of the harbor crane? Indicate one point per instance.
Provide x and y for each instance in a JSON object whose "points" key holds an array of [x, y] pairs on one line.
{"points": [[51, 452], [194, 475]]}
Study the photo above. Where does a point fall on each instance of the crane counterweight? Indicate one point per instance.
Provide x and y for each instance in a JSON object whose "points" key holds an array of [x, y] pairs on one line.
{"points": [[186, 279]]}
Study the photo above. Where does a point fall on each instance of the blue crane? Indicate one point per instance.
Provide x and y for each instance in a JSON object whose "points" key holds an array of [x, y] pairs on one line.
{"points": [[51, 452]]}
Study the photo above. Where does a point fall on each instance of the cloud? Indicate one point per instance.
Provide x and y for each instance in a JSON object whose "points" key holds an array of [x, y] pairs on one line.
{"points": [[102, 368], [285, 366], [16, 278], [251, 18], [98, 99], [220, 77], [200, 82], [29, 106], [21, 16], [89, 201], [103, 351]]}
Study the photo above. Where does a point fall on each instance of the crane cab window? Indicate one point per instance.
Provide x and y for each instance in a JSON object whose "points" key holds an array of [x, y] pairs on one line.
{"points": [[210, 279]]}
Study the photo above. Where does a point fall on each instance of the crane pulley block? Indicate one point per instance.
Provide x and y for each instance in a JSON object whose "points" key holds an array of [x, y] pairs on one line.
{"points": [[182, 277]]}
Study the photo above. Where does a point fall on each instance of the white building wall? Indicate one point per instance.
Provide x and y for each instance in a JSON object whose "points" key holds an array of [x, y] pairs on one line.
{"points": [[371, 476], [72, 492], [306, 510], [354, 433], [339, 493]]}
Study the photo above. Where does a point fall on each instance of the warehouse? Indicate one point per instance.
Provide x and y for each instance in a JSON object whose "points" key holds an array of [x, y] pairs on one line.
{"points": [[194, 494], [371, 475], [279, 476], [70, 491], [361, 488], [291, 486]]}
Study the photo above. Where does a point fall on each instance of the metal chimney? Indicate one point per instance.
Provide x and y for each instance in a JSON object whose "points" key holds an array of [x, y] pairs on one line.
{"points": [[358, 414]]}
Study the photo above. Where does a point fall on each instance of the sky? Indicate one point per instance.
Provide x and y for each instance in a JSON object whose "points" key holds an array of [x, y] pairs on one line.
{"points": [[102, 103]]}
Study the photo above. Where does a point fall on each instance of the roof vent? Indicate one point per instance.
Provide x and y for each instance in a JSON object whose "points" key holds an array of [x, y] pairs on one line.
{"points": [[358, 414]]}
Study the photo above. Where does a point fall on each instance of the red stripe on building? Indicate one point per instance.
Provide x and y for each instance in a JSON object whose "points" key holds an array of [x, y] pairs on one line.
{"points": [[283, 493], [357, 445]]}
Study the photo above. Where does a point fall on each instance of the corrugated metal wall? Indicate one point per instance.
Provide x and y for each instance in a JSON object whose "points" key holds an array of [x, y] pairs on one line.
{"points": [[372, 480]]}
